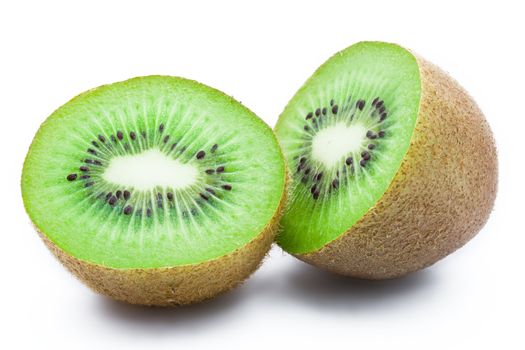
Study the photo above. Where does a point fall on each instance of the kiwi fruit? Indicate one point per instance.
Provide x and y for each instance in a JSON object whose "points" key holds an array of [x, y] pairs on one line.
{"points": [[157, 190], [392, 164]]}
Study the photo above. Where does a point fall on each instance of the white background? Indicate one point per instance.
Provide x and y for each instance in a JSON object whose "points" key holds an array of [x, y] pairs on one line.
{"points": [[261, 54]]}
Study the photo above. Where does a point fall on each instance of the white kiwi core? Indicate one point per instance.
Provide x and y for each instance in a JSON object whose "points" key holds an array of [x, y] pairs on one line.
{"points": [[332, 143], [148, 170]]}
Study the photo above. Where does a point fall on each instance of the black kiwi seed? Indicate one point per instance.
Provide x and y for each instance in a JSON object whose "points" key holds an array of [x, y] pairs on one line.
{"points": [[112, 200], [365, 155], [210, 190], [84, 177], [113, 138], [335, 109], [92, 151], [101, 138], [166, 138], [148, 212], [118, 194], [306, 128], [214, 148], [381, 133], [120, 135], [382, 109], [200, 154], [108, 195], [319, 176], [209, 171], [382, 116], [94, 143], [316, 194], [307, 171], [133, 136], [324, 111], [161, 128], [71, 177], [360, 104], [89, 184], [371, 146], [374, 102], [318, 112], [349, 161], [302, 160], [83, 168], [128, 209], [335, 183], [203, 196], [170, 196], [127, 195], [370, 134], [220, 169], [309, 115], [362, 162], [332, 102], [313, 189], [227, 187], [97, 162], [173, 146], [379, 104]]}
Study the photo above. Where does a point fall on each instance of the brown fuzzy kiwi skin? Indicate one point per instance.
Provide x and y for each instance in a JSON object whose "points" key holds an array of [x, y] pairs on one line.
{"points": [[439, 199], [171, 286]]}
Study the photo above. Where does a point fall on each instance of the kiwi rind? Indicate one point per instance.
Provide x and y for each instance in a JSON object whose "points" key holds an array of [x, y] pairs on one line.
{"points": [[430, 208]]}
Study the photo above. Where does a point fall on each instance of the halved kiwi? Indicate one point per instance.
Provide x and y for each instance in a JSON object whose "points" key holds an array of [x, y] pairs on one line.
{"points": [[393, 164], [157, 190]]}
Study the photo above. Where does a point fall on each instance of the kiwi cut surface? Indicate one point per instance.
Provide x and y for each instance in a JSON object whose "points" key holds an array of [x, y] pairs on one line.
{"points": [[156, 190], [393, 165]]}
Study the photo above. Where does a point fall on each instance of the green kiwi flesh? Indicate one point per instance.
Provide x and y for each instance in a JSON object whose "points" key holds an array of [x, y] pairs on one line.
{"points": [[152, 172], [344, 135]]}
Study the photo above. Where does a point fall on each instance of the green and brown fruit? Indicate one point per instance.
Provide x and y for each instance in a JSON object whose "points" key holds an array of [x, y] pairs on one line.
{"points": [[157, 190], [393, 165]]}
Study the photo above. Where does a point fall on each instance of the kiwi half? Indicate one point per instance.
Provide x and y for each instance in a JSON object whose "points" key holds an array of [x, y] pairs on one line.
{"points": [[393, 164], [157, 190]]}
